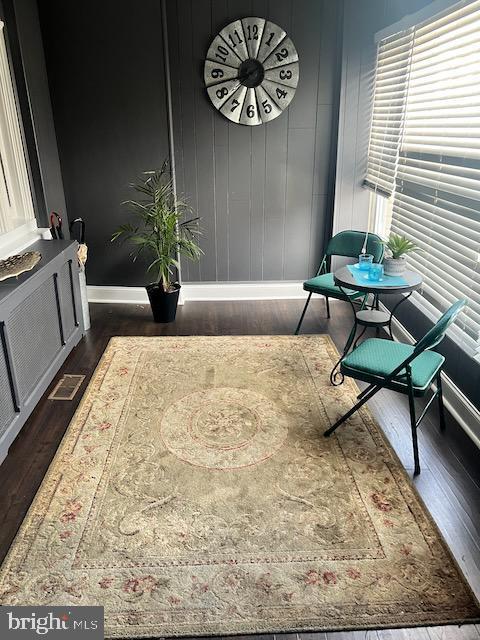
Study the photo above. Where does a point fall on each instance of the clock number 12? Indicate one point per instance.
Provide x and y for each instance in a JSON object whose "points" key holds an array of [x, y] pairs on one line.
{"points": [[252, 32]]}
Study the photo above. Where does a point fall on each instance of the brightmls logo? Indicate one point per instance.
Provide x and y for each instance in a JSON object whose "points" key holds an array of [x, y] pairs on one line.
{"points": [[25, 623]]}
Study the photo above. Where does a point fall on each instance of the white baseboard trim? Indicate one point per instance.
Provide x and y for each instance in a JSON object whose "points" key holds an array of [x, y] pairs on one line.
{"points": [[243, 291], [204, 292], [464, 412], [120, 295]]}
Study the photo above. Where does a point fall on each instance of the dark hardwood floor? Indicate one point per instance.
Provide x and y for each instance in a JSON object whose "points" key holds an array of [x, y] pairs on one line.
{"points": [[450, 479]]}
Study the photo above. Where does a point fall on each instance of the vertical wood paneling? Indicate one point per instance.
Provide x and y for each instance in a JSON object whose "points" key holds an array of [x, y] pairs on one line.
{"points": [[257, 211], [275, 189], [221, 206], [239, 180], [317, 232], [219, 9], [303, 109], [322, 160], [301, 151], [189, 80], [204, 142], [329, 51], [106, 77], [174, 53], [237, 9], [239, 176], [303, 117], [345, 187], [261, 191], [279, 12]]}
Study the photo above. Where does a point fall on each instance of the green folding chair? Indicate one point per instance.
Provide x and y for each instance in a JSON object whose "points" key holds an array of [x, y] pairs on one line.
{"points": [[348, 244], [408, 369]]}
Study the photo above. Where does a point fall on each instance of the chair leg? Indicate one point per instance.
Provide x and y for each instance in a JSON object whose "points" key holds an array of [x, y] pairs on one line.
{"points": [[440, 402], [413, 424], [327, 303], [303, 314], [369, 393]]}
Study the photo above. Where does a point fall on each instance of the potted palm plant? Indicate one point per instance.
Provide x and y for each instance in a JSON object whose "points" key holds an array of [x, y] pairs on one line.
{"points": [[165, 232], [398, 246]]}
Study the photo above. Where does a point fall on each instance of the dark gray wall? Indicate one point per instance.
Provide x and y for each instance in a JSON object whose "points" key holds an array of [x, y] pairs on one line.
{"points": [[107, 83], [264, 193]]}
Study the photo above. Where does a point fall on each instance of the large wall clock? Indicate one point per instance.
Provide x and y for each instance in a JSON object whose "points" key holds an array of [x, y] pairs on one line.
{"points": [[251, 71]]}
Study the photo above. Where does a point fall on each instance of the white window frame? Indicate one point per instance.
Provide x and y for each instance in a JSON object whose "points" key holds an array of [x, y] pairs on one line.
{"points": [[16, 201], [382, 214]]}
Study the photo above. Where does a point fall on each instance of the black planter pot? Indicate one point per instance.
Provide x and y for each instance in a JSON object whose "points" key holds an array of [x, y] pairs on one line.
{"points": [[163, 303]]}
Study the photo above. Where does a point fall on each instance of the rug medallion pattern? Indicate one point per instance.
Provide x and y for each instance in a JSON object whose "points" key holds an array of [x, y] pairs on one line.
{"points": [[194, 493]]}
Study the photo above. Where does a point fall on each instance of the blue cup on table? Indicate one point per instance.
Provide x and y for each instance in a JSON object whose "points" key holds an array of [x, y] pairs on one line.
{"points": [[365, 260], [375, 272]]}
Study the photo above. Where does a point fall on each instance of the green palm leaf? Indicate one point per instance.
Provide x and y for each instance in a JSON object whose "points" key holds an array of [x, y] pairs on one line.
{"points": [[164, 231], [400, 245]]}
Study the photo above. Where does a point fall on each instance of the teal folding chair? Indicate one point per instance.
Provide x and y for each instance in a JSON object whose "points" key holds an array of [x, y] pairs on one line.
{"points": [[348, 244], [408, 369]]}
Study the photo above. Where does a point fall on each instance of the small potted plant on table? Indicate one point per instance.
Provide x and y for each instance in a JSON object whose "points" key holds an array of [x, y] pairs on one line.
{"points": [[163, 233], [398, 247]]}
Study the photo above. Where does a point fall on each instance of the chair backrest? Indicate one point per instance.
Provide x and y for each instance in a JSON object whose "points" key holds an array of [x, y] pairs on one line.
{"points": [[350, 244], [437, 332]]}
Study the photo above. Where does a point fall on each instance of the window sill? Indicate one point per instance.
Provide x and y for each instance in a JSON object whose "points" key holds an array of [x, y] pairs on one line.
{"points": [[19, 239]]}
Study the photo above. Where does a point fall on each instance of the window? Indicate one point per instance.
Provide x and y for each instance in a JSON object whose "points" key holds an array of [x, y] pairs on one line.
{"points": [[424, 155], [391, 80], [382, 214], [16, 206]]}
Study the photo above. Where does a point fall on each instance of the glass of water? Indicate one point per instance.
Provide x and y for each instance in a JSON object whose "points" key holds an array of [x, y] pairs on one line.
{"points": [[364, 261], [375, 272]]}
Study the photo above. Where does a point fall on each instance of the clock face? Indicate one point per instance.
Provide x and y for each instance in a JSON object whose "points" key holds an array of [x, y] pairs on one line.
{"points": [[251, 71]]}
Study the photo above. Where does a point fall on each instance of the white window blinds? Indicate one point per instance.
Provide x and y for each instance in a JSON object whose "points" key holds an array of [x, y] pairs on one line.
{"points": [[390, 90], [436, 181]]}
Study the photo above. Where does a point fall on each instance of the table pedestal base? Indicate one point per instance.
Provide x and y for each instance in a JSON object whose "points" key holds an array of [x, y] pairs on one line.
{"points": [[371, 317]]}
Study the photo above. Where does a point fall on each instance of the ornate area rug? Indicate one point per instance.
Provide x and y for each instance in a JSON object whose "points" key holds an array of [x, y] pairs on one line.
{"points": [[194, 494]]}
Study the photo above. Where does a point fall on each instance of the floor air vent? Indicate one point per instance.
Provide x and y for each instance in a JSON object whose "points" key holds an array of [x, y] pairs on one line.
{"points": [[67, 387]]}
